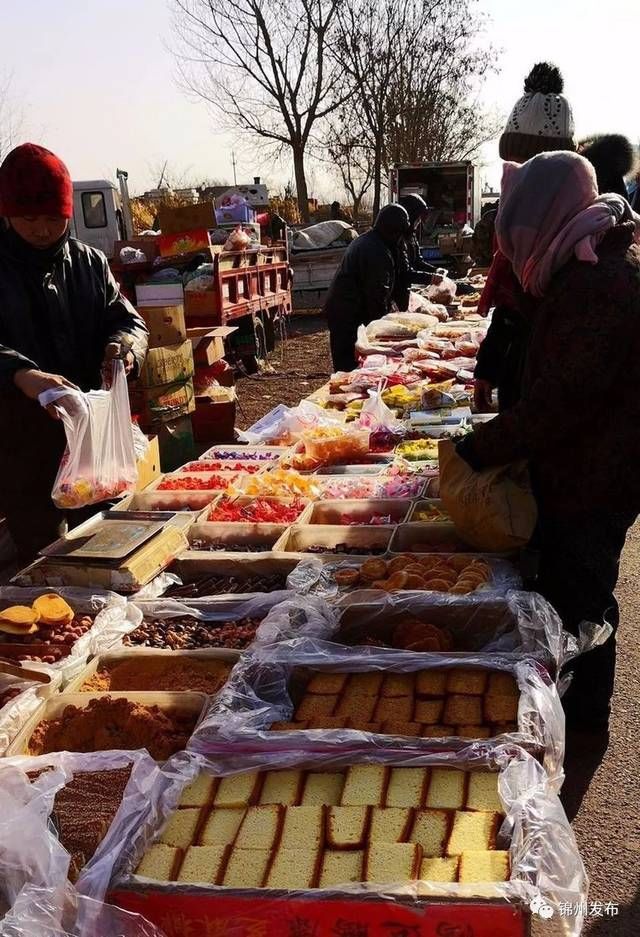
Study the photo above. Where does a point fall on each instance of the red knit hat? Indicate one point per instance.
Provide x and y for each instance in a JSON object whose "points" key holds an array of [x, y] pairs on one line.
{"points": [[34, 181]]}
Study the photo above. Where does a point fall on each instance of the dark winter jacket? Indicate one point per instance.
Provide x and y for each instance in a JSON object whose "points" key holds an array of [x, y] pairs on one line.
{"points": [[577, 420], [58, 313], [361, 291], [612, 156], [411, 269]]}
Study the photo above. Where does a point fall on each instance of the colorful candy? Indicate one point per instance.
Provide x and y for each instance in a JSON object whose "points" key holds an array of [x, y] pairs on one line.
{"points": [[260, 511], [205, 466], [195, 483], [381, 486], [281, 483]]}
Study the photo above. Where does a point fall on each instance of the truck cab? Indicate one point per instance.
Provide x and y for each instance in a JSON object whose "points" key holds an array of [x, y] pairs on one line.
{"points": [[98, 215]]}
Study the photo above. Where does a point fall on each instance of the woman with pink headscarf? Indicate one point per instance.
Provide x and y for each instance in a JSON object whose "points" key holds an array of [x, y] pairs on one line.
{"points": [[578, 420]]}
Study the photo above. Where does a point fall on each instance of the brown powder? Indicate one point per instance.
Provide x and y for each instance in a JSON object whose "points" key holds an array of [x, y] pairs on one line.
{"points": [[108, 723], [160, 673]]}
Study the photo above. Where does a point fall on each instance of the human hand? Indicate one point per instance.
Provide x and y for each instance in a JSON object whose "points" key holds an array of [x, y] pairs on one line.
{"points": [[113, 351], [32, 383], [482, 396]]}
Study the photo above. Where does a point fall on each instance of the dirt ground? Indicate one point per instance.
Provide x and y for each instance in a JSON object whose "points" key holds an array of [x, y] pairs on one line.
{"points": [[601, 792]]}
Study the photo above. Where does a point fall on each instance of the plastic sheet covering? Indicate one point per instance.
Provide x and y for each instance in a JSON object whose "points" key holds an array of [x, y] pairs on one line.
{"points": [[60, 912], [265, 685], [516, 624], [312, 576], [115, 617], [545, 863], [17, 710], [289, 423], [143, 798]]}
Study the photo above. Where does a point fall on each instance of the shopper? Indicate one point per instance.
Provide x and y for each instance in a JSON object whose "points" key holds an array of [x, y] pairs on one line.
{"points": [[412, 269], [612, 156], [540, 121], [362, 288], [62, 319], [577, 421]]}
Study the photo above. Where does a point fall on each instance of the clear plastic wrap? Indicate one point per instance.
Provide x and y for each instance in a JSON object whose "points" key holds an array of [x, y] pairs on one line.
{"points": [[142, 801], [115, 617], [312, 576], [259, 690], [516, 624], [545, 863], [15, 712]]}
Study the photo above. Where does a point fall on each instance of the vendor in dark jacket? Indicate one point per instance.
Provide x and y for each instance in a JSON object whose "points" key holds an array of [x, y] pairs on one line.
{"points": [[540, 121], [62, 319], [362, 288], [578, 417], [412, 269]]}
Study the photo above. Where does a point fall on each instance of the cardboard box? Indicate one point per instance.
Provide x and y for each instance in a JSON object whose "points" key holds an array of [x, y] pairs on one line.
{"points": [[185, 242], [213, 422], [208, 346], [159, 294], [149, 467], [162, 404], [166, 324], [218, 373], [186, 217], [203, 305], [176, 443], [168, 365]]}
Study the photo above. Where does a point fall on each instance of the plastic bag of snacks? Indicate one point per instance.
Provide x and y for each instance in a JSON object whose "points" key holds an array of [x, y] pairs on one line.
{"points": [[100, 459]]}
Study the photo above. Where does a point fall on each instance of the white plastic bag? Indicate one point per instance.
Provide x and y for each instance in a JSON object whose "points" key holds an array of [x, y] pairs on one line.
{"points": [[100, 460]]}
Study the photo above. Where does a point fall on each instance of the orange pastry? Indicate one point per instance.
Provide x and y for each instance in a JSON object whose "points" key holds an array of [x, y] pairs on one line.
{"points": [[373, 569]]}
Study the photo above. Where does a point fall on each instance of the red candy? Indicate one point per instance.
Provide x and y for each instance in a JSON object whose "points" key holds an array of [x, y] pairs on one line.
{"points": [[203, 466], [187, 483], [259, 511]]}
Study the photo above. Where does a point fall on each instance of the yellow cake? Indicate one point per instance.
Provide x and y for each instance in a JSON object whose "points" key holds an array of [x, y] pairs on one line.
{"points": [[446, 788], [429, 711], [347, 826], [365, 784], [440, 870], [341, 867], [483, 792], [430, 830], [303, 827], [221, 826], [294, 868], [199, 792], [484, 866], [323, 788], [431, 682], [469, 681], [181, 828], [281, 787], [158, 862], [472, 830], [259, 827], [202, 864], [327, 684], [237, 790], [389, 824], [407, 787], [392, 862], [246, 868]]}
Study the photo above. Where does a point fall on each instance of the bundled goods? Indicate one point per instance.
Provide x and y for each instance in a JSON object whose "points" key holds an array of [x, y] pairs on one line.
{"points": [[333, 444]]}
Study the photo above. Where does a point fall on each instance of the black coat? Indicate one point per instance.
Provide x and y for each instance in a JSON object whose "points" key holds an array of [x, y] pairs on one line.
{"points": [[411, 269], [58, 312], [58, 315], [361, 291]]}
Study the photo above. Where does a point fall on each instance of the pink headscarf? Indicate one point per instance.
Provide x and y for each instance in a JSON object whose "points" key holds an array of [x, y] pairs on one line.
{"points": [[549, 212]]}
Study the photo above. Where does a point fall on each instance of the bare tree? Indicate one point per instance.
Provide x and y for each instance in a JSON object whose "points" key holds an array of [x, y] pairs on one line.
{"points": [[433, 112], [266, 67], [11, 118], [413, 64], [349, 149]]}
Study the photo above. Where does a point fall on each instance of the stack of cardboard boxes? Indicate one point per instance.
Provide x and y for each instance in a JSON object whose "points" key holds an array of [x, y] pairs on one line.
{"points": [[215, 412], [163, 397]]}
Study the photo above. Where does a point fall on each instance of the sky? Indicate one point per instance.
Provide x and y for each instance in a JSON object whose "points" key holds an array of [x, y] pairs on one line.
{"points": [[96, 83]]}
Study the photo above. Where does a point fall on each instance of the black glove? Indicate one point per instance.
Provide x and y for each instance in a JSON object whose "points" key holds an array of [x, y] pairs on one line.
{"points": [[466, 450]]}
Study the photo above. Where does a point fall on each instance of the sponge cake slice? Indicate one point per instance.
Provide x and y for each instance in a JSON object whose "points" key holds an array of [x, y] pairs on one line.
{"points": [[294, 868], [159, 862], [246, 868], [472, 830], [281, 787], [237, 790], [483, 792], [469, 681], [199, 792], [202, 864], [303, 827], [326, 684], [484, 866], [259, 827], [340, 868], [323, 788], [392, 862], [389, 824], [365, 784], [431, 831], [181, 828], [447, 788], [221, 826], [440, 870], [347, 827], [407, 787]]}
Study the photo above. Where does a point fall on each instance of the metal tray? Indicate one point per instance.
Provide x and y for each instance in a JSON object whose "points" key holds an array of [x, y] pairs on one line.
{"points": [[109, 535]]}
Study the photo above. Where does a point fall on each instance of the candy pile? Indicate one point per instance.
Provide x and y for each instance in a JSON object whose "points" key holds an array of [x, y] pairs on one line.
{"points": [[330, 445], [372, 520], [418, 450], [282, 483], [196, 483], [207, 466], [246, 456], [384, 486], [430, 513], [185, 633], [45, 631], [228, 585], [260, 511]]}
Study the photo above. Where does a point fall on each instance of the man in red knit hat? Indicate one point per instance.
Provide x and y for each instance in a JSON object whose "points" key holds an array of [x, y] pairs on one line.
{"points": [[62, 318]]}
